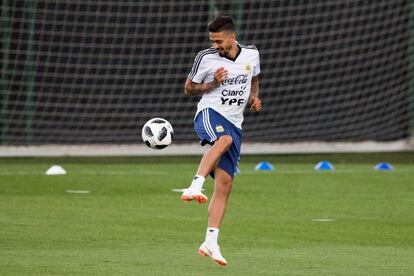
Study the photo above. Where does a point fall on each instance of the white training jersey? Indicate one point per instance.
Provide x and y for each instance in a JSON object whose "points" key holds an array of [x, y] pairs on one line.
{"points": [[231, 97]]}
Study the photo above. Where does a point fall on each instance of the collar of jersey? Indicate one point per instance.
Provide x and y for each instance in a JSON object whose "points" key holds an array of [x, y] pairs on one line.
{"points": [[240, 49]]}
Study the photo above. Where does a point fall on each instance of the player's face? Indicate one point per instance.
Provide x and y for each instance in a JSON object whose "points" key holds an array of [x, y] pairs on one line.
{"points": [[222, 42]]}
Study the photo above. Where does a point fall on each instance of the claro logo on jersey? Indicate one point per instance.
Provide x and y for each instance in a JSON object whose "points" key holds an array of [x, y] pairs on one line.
{"points": [[231, 97]]}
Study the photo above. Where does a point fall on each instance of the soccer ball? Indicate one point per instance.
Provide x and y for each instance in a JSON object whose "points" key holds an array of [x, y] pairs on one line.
{"points": [[157, 133]]}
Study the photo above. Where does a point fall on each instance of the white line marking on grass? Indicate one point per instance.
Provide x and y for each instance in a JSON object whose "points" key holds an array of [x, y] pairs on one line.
{"points": [[78, 191], [90, 173], [322, 220], [102, 172], [21, 173]]}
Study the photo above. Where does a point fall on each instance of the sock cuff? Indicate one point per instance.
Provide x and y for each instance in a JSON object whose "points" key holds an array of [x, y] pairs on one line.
{"points": [[211, 230], [197, 182], [212, 235], [199, 178]]}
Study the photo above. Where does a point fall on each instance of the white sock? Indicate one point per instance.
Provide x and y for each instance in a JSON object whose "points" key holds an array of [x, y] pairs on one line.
{"points": [[197, 183], [212, 235]]}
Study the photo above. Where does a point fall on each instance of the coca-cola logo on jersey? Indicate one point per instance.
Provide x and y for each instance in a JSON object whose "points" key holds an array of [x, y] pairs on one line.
{"points": [[240, 79]]}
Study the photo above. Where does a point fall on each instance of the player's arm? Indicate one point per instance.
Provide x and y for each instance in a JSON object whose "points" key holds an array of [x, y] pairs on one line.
{"points": [[195, 89], [254, 101]]}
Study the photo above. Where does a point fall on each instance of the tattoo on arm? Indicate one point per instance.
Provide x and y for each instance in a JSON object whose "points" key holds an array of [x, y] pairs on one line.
{"points": [[196, 89], [254, 90]]}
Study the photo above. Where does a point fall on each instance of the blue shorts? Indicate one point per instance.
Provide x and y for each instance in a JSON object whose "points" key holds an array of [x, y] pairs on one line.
{"points": [[209, 126]]}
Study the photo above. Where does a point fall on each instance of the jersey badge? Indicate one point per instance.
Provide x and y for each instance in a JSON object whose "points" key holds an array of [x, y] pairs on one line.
{"points": [[247, 68], [219, 128]]}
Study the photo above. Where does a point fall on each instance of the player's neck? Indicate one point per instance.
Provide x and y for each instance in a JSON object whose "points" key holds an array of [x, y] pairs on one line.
{"points": [[234, 52]]}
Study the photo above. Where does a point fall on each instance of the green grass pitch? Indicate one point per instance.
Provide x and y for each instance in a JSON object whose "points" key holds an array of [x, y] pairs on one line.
{"points": [[132, 223]]}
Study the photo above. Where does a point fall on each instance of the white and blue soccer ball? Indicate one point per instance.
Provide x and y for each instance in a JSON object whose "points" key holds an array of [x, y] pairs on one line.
{"points": [[157, 133]]}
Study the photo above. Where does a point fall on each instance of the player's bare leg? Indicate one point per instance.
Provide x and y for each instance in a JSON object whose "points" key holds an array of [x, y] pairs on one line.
{"points": [[222, 189], [207, 164], [210, 159], [216, 210]]}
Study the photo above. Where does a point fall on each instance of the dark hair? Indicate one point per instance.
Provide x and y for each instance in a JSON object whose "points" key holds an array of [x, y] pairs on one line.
{"points": [[221, 23]]}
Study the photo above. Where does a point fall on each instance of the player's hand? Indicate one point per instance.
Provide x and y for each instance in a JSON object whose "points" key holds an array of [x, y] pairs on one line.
{"points": [[220, 75], [255, 104]]}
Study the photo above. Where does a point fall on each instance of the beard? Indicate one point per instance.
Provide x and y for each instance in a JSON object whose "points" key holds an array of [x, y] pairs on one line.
{"points": [[224, 52]]}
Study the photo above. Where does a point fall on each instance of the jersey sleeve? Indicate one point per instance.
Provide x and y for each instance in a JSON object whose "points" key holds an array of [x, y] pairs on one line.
{"points": [[199, 70], [256, 70]]}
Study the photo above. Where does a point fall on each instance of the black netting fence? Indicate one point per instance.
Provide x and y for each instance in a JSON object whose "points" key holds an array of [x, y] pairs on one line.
{"points": [[94, 71]]}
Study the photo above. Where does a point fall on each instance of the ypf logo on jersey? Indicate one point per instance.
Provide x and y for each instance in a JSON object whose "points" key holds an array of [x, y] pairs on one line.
{"points": [[247, 68]]}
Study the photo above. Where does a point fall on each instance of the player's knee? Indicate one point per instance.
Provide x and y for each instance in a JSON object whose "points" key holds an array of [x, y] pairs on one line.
{"points": [[228, 188], [224, 188], [226, 141]]}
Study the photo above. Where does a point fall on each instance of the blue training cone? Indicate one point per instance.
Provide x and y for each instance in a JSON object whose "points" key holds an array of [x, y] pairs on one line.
{"points": [[264, 166], [324, 166], [384, 167]]}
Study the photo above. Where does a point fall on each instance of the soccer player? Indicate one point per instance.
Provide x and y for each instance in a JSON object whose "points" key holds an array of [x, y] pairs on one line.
{"points": [[226, 78]]}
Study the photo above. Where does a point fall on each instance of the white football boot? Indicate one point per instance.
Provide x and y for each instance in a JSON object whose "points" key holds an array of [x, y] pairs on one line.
{"points": [[190, 194], [212, 251]]}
